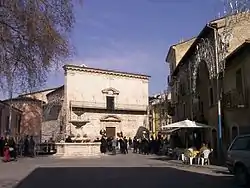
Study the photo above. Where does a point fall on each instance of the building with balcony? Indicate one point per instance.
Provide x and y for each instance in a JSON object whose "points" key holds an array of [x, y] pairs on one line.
{"points": [[236, 96], [174, 56], [194, 90], [96, 99]]}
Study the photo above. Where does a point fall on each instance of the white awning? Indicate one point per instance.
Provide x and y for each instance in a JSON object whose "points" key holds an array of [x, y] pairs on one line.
{"points": [[186, 124], [170, 130]]}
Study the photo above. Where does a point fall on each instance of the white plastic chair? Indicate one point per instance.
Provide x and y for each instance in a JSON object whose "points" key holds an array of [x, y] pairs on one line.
{"points": [[186, 158], [205, 158], [183, 157]]}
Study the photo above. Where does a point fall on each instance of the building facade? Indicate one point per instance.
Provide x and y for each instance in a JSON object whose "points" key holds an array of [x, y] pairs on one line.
{"points": [[174, 56], [160, 112], [236, 96], [96, 99], [195, 74]]}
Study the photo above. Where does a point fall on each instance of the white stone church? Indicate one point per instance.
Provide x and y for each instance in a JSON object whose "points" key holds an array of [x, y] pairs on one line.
{"points": [[94, 99]]}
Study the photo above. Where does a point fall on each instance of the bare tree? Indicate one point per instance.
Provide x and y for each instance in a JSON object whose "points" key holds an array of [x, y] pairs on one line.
{"points": [[33, 38]]}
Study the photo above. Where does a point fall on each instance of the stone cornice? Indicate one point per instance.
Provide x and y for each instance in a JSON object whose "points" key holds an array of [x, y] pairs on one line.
{"points": [[103, 71]]}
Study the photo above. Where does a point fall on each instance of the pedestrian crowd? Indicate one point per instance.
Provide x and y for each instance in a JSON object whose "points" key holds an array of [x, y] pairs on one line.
{"points": [[122, 144], [10, 149]]}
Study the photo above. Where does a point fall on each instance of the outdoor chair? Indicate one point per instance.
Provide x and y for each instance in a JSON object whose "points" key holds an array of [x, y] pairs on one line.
{"points": [[187, 157], [205, 158]]}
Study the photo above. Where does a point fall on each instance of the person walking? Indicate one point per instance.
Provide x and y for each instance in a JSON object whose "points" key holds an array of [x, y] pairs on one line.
{"points": [[125, 145], [114, 144], [12, 148], [32, 145], [103, 145]]}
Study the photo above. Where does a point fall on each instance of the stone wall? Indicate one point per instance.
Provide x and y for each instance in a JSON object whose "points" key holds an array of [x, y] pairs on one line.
{"points": [[181, 49], [129, 124], [31, 117], [50, 129], [53, 115]]}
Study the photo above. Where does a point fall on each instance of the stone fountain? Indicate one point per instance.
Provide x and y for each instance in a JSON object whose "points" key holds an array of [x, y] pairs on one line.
{"points": [[81, 146]]}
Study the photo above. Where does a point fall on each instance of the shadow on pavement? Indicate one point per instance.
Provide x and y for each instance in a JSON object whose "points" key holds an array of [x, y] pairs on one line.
{"points": [[162, 158], [120, 178]]}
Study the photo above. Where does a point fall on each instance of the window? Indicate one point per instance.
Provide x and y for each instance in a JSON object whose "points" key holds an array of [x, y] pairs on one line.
{"points": [[211, 96], [239, 82], [110, 103], [242, 143], [52, 112]]}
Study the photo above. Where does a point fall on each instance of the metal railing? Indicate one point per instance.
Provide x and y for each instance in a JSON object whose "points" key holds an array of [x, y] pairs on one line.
{"points": [[40, 149], [99, 105]]}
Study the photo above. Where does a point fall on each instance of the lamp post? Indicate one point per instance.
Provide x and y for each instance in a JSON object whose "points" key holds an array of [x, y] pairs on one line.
{"points": [[214, 53]]}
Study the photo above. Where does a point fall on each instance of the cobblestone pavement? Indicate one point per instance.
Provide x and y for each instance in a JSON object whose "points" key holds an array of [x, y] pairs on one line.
{"points": [[109, 171]]}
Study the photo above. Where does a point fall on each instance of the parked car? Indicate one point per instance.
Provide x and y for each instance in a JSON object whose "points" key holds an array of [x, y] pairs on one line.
{"points": [[238, 159]]}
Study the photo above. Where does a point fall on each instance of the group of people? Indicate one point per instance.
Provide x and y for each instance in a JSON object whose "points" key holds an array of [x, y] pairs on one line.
{"points": [[111, 144], [9, 149], [140, 145], [147, 146]]}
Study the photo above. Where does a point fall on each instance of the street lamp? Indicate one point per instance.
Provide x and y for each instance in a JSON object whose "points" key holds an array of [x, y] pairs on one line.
{"points": [[214, 53]]}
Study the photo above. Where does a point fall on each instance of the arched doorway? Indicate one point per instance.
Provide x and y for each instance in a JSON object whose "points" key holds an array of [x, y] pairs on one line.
{"points": [[202, 93]]}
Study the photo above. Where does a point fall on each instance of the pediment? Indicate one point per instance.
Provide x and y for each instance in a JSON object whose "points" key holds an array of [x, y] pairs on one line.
{"points": [[110, 118], [110, 91]]}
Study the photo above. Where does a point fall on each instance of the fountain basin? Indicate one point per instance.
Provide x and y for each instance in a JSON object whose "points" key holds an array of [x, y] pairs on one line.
{"points": [[76, 150]]}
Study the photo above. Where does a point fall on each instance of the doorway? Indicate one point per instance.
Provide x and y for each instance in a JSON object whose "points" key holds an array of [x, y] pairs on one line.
{"points": [[235, 132], [110, 131]]}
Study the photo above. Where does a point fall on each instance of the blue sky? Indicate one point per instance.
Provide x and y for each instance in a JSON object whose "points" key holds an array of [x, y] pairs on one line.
{"points": [[135, 35]]}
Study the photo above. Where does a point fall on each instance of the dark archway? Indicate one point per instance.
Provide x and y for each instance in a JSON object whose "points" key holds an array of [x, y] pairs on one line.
{"points": [[204, 52], [235, 132], [202, 94]]}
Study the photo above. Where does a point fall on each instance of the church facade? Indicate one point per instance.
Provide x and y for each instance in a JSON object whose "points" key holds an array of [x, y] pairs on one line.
{"points": [[96, 99]]}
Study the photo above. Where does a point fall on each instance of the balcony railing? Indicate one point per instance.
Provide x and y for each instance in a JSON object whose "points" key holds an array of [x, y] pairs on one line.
{"points": [[97, 105], [234, 99]]}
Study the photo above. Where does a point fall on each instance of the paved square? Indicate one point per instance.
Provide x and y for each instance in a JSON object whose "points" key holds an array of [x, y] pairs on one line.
{"points": [[108, 171]]}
